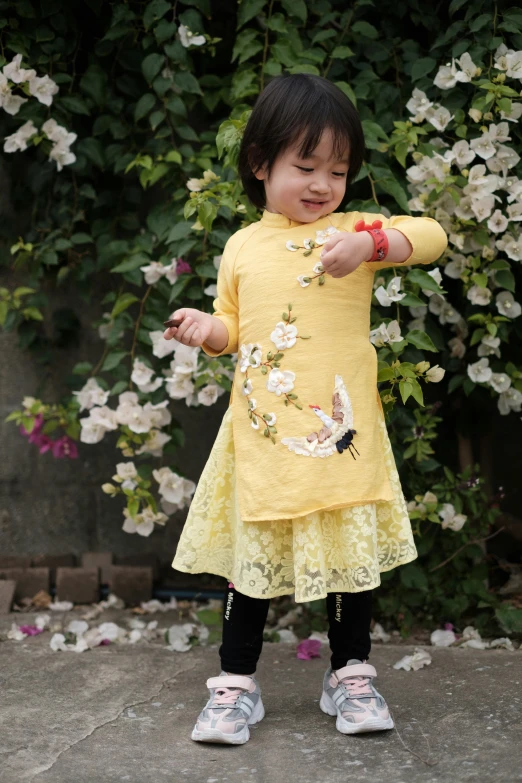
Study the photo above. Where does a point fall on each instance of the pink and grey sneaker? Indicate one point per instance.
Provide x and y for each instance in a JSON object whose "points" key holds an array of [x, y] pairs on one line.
{"points": [[234, 705], [349, 694]]}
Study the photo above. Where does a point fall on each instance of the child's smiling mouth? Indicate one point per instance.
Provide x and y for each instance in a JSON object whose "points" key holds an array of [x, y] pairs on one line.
{"points": [[313, 205]]}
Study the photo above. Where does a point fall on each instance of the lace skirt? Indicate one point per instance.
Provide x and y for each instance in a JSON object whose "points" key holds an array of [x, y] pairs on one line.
{"points": [[343, 550]]}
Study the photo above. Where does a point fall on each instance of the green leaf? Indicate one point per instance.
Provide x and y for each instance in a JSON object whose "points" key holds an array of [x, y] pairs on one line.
{"points": [[422, 67], [405, 388], [385, 374], [247, 10], [392, 187], [144, 106], [154, 11], [416, 392], [119, 387], [134, 262], [187, 82], [422, 278], [74, 104], [152, 65], [122, 302], [82, 368], [81, 239], [365, 29], [341, 53], [94, 82], [180, 231], [506, 279], [112, 360], [420, 340], [295, 8]]}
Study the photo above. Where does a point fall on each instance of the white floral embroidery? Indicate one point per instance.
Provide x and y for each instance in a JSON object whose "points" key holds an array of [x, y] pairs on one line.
{"points": [[304, 280], [251, 356], [280, 381], [284, 335], [292, 246]]}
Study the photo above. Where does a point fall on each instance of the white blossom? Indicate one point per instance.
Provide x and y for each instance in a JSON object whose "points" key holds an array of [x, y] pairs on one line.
{"points": [[457, 346], [247, 386], [61, 154], [18, 141], [489, 346], [450, 519], [514, 65], [159, 414], [446, 76], [251, 356], [43, 88], [510, 400], [441, 307], [188, 38], [142, 377], [386, 296], [153, 272], [9, 102], [500, 382], [160, 346], [464, 155], [386, 333], [137, 524], [480, 372], [439, 117], [284, 335], [16, 74], [154, 443], [211, 290], [511, 245], [456, 266], [208, 394], [304, 282], [179, 386], [418, 105], [498, 222], [291, 245], [91, 394], [469, 69], [435, 374], [506, 305], [478, 295], [280, 381]]}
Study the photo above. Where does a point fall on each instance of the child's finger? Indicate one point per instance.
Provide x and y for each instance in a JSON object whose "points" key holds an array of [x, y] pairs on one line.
{"points": [[332, 243], [190, 332], [181, 330]]}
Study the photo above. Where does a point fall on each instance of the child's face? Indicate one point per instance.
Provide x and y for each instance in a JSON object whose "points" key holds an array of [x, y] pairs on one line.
{"points": [[306, 189]]}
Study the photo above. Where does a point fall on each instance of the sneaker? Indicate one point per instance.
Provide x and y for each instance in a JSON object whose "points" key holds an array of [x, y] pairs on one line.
{"points": [[349, 694], [234, 705]]}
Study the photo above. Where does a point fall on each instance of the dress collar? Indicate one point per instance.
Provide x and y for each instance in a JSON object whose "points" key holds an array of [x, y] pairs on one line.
{"points": [[277, 220]]}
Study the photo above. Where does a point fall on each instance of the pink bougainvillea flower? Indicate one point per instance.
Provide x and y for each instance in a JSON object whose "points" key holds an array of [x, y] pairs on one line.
{"points": [[64, 447], [308, 648], [38, 424], [31, 630], [182, 267], [43, 442], [449, 627], [104, 642]]}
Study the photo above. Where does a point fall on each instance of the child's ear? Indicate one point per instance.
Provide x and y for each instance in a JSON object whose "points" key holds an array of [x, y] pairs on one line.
{"points": [[258, 171]]}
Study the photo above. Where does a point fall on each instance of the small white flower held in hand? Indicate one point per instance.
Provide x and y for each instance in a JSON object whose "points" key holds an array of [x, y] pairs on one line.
{"points": [[414, 662]]}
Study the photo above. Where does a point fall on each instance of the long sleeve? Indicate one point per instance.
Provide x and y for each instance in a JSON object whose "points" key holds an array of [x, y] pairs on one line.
{"points": [[226, 303], [427, 237]]}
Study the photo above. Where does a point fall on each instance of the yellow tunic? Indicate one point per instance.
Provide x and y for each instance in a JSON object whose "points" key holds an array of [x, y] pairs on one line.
{"points": [[266, 516]]}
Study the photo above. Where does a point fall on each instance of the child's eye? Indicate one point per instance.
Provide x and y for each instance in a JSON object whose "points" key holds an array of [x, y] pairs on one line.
{"points": [[339, 173], [302, 168]]}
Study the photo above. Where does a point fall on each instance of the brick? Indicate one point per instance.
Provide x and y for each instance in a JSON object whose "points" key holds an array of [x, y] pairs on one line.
{"points": [[13, 561], [29, 581], [132, 584], [143, 559], [52, 562], [7, 591], [79, 585], [100, 560]]}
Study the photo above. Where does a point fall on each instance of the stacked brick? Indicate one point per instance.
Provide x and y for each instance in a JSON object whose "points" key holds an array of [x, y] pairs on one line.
{"points": [[130, 577]]}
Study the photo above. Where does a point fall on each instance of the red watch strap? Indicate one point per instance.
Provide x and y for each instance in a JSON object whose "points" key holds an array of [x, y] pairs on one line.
{"points": [[379, 237]]}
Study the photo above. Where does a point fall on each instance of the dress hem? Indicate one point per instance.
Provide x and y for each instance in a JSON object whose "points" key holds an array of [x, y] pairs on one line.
{"points": [[335, 507], [277, 594]]}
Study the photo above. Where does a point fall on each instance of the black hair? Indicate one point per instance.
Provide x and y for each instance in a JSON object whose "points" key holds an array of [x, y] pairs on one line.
{"points": [[291, 107]]}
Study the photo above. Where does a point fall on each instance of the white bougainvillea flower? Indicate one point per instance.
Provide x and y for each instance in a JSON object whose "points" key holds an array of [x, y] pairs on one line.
{"points": [[475, 114], [489, 346], [498, 222], [450, 519], [58, 642], [43, 88], [251, 356], [442, 638], [185, 358], [304, 280], [179, 386], [515, 211], [506, 305], [208, 394], [511, 245], [379, 337], [457, 347], [414, 662], [514, 65], [9, 102], [126, 470], [90, 395], [16, 74], [217, 261], [435, 374], [456, 266], [464, 155], [445, 311], [160, 346], [136, 525], [515, 113], [469, 69], [159, 414], [479, 296], [141, 374], [154, 443], [188, 38], [194, 184], [418, 105], [500, 56], [247, 387], [480, 372], [510, 400], [499, 132], [483, 146], [437, 276], [291, 245], [18, 141], [153, 272], [280, 381], [394, 332], [500, 382], [91, 432], [439, 117], [62, 155], [386, 296], [211, 290], [270, 419], [446, 76], [284, 335]]}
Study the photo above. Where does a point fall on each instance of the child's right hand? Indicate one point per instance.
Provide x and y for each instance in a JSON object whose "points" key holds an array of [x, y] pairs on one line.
{"points": [[194, 330]]}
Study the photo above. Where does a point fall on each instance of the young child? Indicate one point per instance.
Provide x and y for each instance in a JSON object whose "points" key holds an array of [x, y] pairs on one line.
{"points": [[300, 494]]}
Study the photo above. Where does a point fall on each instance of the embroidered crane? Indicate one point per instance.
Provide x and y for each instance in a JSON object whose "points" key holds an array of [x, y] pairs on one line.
{"points": [[336, 433]]}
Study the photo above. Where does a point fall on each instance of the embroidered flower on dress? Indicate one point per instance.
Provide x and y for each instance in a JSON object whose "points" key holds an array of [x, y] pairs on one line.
{"points": [[280, 381], [284, 335], [251, 355]]}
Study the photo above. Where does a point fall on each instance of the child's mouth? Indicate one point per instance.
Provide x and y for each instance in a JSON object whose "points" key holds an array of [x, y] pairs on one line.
{"points": [[313, 205]]}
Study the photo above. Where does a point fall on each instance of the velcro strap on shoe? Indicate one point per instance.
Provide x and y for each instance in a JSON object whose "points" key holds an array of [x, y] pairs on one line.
{"points": [[230, 681], [356, 670]]}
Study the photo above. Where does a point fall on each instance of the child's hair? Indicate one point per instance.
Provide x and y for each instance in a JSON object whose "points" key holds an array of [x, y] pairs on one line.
{"points": [[291, 107]]}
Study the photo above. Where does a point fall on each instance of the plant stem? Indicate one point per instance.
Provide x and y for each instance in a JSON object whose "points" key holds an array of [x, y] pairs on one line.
{"points": [[138, 321]]}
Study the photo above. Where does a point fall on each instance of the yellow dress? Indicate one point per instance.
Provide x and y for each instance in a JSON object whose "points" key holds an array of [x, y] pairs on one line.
{"points": [[291, 512]]}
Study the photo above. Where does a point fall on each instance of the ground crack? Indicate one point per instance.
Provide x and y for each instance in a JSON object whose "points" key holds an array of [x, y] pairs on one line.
{"points": [[164, 683]]}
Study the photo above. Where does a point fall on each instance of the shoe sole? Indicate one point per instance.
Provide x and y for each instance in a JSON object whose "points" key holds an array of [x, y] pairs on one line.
{"points": [[239, 738], [342, 725]]}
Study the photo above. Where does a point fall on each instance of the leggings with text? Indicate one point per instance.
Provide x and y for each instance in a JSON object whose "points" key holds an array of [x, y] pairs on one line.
{"points": [[244, 618]]}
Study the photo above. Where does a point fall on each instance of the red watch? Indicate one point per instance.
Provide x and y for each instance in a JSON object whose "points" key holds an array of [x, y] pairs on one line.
{"points": [[379, 237]]}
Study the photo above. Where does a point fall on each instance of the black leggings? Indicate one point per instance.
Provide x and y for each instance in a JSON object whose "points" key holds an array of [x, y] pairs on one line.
{"points": [[244, 618]]}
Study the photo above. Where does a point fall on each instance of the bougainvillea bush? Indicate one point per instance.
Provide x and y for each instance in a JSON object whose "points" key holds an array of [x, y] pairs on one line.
{"points": [[121, 124]]}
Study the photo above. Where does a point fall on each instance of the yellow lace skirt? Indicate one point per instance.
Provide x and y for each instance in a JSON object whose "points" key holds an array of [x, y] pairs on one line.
{"points": [[343, 550]]}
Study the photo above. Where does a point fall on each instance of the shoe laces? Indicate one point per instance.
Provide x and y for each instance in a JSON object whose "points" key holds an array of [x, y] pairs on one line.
{"points": [[357, 686], [225, 696]]}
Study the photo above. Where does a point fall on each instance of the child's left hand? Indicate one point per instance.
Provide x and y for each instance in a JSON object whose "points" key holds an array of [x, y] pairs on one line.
{"points": [[345, 251]]}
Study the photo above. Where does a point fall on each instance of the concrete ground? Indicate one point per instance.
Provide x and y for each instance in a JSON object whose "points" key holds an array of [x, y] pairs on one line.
{"points": [[125, 713]]}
